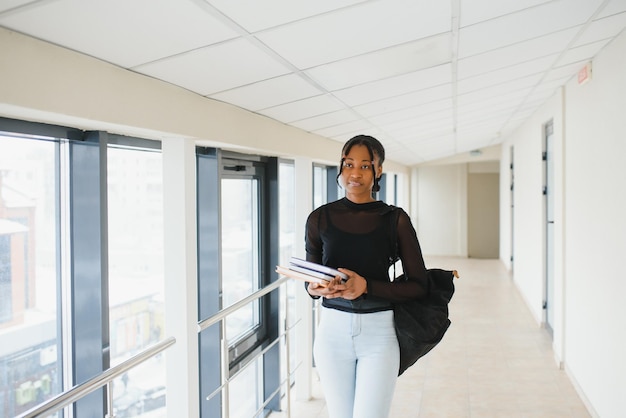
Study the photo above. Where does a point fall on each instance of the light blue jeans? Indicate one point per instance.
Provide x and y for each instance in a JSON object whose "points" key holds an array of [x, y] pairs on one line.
{"points": [[357, 358]]}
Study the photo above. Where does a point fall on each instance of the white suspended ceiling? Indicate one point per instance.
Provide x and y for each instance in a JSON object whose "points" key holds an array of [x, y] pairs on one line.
{"points": [[430, 79]]}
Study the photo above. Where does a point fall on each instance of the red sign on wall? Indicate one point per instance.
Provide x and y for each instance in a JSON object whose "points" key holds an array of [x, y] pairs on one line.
{"points": [[584, 75]]}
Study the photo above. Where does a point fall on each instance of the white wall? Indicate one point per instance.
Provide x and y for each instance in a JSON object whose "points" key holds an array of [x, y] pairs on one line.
{"points": [[438, 193], [590, 228], [595, 231], [528, 236], [439, 196]]}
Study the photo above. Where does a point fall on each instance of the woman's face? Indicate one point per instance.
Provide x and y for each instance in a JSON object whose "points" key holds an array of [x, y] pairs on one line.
{"points": [[357, 175]]}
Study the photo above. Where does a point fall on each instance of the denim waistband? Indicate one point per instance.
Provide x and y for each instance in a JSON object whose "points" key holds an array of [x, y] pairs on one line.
{"points": [[359, 305]]}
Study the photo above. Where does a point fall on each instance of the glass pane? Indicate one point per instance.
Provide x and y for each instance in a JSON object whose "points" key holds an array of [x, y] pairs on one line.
{"points": [[287, 220], [390, 186], [240, 252], [136, 278], [319, 186], [30, 348], [244, 395], [400, 201]]}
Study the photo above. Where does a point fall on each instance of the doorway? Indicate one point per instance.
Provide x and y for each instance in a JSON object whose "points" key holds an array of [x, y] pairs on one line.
{"points": [[483, 200]]}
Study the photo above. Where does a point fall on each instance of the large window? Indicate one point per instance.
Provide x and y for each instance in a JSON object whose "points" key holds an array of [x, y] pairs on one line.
{"points": [[71, 305], [240, 252], [30, 343], [325, 185], [136, 278], [237, 252]]}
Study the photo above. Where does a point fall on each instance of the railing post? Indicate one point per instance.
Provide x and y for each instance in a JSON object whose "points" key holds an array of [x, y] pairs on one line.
{"points": [[225, 371], [287, 330], [109, 400]]}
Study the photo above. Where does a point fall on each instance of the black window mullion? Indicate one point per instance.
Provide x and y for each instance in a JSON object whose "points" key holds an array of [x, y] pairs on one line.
{"points": [[271, 359], [331, 181], [89, 286], [382, 193], [208, 278]]}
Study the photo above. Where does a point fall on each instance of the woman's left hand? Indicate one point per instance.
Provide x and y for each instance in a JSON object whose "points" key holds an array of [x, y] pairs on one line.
{"points": [[354, 287]]}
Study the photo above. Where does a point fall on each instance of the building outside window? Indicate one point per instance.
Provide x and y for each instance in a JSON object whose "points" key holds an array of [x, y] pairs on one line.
{"points": [[30, 344], [136, 276]]}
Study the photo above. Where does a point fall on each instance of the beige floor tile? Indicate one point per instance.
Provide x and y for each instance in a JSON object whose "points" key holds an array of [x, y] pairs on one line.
{"points": [[494, 361]]}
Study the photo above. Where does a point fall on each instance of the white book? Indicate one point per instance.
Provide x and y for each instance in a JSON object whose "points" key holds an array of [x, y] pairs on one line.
{"points": [[286, 271], [295, 261], [311, 272]]}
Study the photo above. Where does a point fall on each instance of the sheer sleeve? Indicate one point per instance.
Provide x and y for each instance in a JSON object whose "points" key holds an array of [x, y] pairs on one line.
{"points": [[313, 242], [415, 283], [312, 239]]}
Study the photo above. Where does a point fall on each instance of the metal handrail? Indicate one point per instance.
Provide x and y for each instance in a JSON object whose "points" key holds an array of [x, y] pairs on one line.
{"points": [[205, 323], [250, 360], [75, 393], [220, 317], [106, 377]]}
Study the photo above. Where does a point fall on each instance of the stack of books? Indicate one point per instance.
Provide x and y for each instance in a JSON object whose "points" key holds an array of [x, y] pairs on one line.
{"points": [[310, 272]]}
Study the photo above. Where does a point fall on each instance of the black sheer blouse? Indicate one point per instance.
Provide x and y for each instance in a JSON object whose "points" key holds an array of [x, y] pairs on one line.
{"points": [[359, 237]]}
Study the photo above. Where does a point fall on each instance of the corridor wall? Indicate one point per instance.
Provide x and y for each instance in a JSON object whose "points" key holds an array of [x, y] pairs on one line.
{"points": [[589, 136]]}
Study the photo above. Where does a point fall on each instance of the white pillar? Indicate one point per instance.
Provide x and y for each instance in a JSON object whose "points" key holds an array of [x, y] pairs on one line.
{"points": [[181, 310], [304, 306]]}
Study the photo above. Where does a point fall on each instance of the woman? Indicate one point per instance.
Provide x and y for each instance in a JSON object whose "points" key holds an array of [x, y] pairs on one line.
{"points": [[356, 349]]}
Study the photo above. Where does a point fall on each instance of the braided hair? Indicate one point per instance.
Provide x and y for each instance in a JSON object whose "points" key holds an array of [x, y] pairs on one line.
{"points": [[374, 147]]}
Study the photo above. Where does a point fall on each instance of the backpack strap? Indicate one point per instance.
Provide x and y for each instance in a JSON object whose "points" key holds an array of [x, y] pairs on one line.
{"points": [[394, 215]]}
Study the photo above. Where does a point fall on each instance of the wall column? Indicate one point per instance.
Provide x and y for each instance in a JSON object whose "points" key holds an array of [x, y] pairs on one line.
{"points": [[181, 310], [304, 305]]}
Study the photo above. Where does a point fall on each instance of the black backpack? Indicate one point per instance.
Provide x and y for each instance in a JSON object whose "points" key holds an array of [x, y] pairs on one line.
{"points": [[421, 323]]}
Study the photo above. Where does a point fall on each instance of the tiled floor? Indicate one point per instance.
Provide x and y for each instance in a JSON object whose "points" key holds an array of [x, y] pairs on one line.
{"points": [[495, 361]]}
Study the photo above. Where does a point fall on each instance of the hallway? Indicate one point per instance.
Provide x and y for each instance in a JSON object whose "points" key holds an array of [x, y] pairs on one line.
{"points": [[495, 361]]}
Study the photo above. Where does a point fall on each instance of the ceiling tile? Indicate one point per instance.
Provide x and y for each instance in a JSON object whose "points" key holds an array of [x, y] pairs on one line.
{"points": [[327, 120], [344, 129], [521, 85], [474, 11], [475, 105], [257, 15], [564, 72], [373, 131], [487, 115], [356, 30], [126, 33], [385, 63], [473, 141], [411, 112], [613, 7], [303, 109], [423, 134], [395, 86], [268, 93], [585, 52], [414, 98], [524, 25], [216, 68], [516, 54], [537, 66], [435, 148], [11, 4], [546, 89], [602, 29], [483, 132], [443, 117]]}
